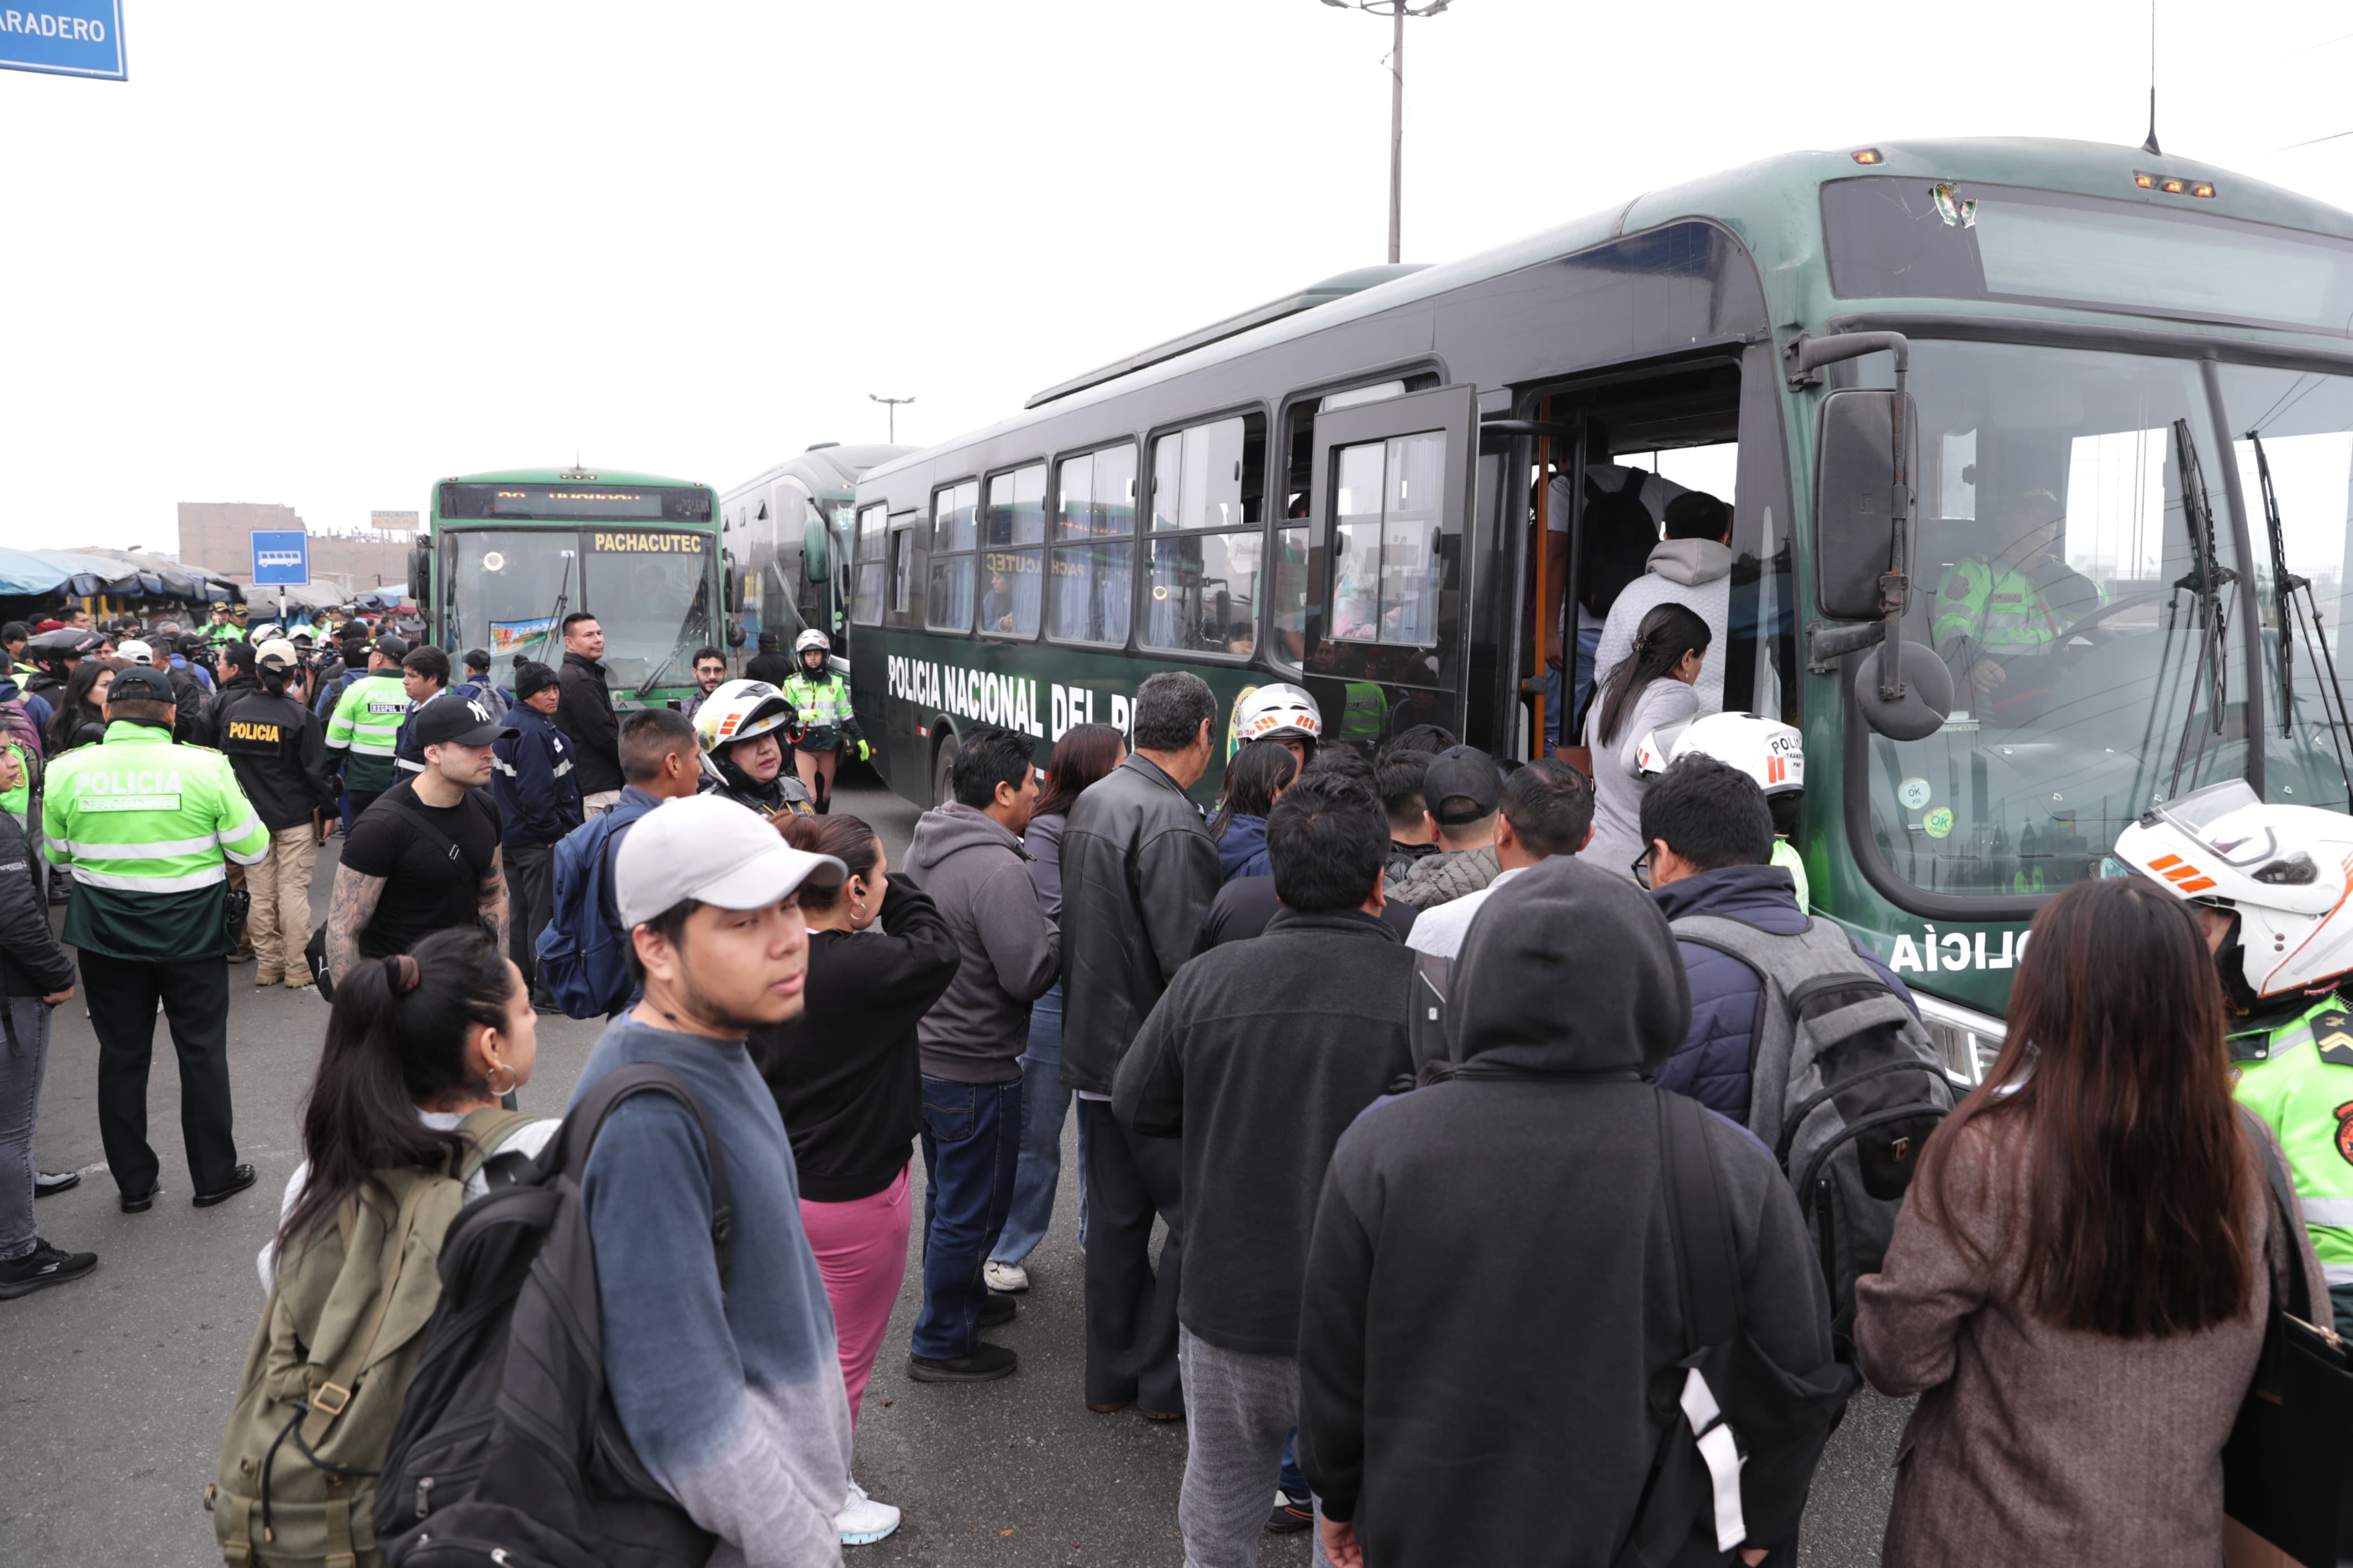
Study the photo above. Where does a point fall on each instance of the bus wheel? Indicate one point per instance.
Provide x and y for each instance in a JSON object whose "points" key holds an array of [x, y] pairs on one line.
{"points": [[943, 763]]}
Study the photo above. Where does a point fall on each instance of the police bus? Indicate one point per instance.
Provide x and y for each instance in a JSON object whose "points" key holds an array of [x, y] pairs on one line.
{"points": [[2039, 454], [785, 535], [507, 555]]}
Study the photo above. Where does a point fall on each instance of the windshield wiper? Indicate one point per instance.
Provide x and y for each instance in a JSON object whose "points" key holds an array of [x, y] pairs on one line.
{"points": [[2297, 609], [2207, 578], [660, 669], [556, 615]]}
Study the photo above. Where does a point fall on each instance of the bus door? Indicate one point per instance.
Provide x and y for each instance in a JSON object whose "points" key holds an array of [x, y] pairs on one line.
{"points": [[1391, 496]]}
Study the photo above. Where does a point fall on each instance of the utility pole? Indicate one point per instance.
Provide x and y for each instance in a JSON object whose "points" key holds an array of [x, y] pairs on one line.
{"points": [[892, 402], [1398, 11]]}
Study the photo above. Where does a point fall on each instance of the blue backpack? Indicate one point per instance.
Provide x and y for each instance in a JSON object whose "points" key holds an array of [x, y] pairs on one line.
{"points": [[584, 953]]}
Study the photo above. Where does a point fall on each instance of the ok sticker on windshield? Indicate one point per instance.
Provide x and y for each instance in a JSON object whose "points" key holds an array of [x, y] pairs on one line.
{"points": [[1938, 823], [1915, 792]]}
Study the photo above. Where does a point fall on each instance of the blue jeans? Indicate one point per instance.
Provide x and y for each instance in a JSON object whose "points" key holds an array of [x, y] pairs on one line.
{"points": [[1556, 713], [972, 1139], [24, 1059], [1044, 1105]]}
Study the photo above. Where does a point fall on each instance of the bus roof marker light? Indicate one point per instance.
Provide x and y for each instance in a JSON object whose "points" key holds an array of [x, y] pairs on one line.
{"points": [[2145, 181], [2175, 187], [1868, 155], [2202, 189]]}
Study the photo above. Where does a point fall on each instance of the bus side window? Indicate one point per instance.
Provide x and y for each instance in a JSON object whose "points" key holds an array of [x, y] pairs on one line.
{"points": [[903, 563], [1094, 564], [1208, 485], [866, 601]]}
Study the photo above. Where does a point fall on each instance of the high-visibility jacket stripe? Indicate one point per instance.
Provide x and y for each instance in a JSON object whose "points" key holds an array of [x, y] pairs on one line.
{"points": [[118, 883], [162, 850], [2337, 1212]]}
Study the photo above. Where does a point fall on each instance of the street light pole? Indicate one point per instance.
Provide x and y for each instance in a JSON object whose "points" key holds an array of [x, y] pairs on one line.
{"points": [[894, 405], [1397, 135], [1396, 11]]}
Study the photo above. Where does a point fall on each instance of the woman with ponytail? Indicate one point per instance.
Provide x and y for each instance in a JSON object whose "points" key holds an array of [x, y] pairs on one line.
{"points": [[401, 1115], [416, 1043], [1649, 688]]}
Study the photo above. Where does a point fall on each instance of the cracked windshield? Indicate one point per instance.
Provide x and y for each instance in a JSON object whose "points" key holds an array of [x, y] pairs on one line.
{"points": [[2077, 574]]}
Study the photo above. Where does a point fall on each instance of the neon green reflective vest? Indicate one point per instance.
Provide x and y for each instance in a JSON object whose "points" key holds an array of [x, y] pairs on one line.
{"points": [[1364, 710], [228, 631], [366, 726], [142, 825], [2004, 612], [820, 704], [2300, 1079], [1784, 856]]}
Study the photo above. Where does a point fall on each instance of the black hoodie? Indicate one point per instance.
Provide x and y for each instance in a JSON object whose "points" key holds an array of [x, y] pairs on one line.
{"points": [[1490, 1299]]}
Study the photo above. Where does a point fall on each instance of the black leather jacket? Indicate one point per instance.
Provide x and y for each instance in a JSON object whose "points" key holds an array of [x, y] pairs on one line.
{"points": [[32, 962], [1139, 872]]}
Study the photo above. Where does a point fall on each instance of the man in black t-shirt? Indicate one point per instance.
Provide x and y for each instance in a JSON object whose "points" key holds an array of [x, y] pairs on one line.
{"points": [[424, 856]]}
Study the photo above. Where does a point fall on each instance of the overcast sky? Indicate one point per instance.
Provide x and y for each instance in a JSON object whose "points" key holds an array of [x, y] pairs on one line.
{"points": [[325, 254]]}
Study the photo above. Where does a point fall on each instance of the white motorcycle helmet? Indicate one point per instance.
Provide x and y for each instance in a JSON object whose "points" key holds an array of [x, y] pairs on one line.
{"points": [[2283, 870], [811, 638], [1277, 712], [1771, 752], [740, 710]]}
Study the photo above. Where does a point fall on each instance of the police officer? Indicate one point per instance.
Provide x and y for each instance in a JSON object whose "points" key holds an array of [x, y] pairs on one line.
{"points": [[2000, 617], [2276, 917], [144, 824], [278, 751], [827, 727], [365, 729]]}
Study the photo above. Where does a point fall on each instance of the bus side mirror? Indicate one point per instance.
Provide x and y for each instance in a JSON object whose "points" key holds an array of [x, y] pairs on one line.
{"points": [[1864, 524], [732, 575], [816, 553], [1865, 528], [421, 573]]}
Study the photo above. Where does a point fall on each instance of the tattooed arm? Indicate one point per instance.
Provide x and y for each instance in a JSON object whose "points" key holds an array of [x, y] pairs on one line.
{"points": [[492, 900], [353, 907]]}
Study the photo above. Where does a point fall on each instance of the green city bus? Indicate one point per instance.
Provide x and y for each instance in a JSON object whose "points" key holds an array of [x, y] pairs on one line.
{"points": [[2114, 366], [507, 555]]}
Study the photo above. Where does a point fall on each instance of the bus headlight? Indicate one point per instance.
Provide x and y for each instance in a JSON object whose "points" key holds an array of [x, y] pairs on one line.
{"points": [[1967, 1041], [492, 560]]}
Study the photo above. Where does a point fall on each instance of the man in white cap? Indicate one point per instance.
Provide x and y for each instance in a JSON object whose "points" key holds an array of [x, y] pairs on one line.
{"points": [[733, 1400]]}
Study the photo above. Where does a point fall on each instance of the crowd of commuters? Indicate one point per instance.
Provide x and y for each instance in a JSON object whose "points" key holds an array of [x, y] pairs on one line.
{"points": [[1326, 1041]]}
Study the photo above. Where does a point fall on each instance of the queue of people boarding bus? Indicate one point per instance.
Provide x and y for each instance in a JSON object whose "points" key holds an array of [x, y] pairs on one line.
{"points": [[1328, 1098]]}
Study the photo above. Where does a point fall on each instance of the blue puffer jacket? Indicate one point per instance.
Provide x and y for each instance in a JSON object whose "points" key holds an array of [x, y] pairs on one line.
{"points": [[1243, 851], [1712, 1064]]}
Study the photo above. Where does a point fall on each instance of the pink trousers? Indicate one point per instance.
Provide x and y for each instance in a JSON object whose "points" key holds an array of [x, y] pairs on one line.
{"points": [[862, 1250]]}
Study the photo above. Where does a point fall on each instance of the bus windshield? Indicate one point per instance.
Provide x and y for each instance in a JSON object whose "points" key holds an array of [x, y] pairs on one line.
{"points": [[2071, 503], [651, 590]]}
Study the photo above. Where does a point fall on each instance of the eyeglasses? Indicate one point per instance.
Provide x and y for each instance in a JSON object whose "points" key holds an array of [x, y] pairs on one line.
{"points": [[1641, 869]]}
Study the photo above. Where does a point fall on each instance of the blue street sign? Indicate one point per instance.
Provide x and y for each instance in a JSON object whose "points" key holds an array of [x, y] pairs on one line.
{"points": [[281, 557], [66, 38]]}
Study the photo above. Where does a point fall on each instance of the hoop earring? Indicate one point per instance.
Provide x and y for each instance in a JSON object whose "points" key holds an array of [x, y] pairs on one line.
{"points": [[514, 1078]]}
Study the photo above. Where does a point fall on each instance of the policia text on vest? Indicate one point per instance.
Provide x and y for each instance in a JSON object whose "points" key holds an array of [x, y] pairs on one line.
{"points": [[145, 829]]}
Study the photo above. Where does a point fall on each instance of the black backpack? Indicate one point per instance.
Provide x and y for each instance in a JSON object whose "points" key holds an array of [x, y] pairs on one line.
{"points": [[508, 1449], [1846, 1089]]}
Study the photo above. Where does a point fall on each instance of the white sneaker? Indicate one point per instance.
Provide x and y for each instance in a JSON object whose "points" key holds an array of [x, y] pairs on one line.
{"points": [[1009, 1279], [862, 1521]]}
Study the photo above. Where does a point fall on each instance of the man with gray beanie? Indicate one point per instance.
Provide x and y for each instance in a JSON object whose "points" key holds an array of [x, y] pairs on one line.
{"points": [[1525, 1350]]}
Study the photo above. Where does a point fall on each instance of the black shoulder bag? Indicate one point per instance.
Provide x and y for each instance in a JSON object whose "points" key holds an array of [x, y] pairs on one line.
{"points": [[2288, 1471], [1742, 1434]]}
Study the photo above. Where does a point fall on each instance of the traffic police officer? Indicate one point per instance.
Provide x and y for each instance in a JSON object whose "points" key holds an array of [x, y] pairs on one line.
{"points": [[825, 727], [365, 729], [2270, 887], [1994, 611], [142, 825]]}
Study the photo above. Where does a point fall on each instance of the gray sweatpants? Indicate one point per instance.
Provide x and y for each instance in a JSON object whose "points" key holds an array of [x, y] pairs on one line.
{"points": [[1239, 1409], [24, 1059]]}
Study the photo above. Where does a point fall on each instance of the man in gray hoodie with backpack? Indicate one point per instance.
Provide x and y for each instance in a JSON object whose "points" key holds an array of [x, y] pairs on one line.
{"points": [[967, 856]]}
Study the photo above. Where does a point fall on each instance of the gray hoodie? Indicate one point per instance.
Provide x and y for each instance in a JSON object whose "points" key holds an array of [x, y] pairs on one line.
{"points": [[977, 871], [1693, 571]]}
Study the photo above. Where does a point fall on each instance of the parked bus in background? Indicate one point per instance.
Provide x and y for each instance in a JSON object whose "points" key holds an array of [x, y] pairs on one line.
{"points": [[2086, 412], [787, 532], [508, 555]]}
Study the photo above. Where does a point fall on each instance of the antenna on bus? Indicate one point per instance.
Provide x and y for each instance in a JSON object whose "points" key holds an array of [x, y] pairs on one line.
{"points": [[2150, 146]]}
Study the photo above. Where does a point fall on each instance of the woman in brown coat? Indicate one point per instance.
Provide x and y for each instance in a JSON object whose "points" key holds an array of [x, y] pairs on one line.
{"points": [[2079, 1278]]}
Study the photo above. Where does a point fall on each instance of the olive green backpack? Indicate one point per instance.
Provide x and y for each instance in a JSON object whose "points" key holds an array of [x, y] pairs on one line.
{"points": [[328, 1367]]}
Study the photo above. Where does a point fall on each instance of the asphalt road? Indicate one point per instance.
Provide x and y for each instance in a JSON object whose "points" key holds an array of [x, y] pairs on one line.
{"points": [[116, 1386]]}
